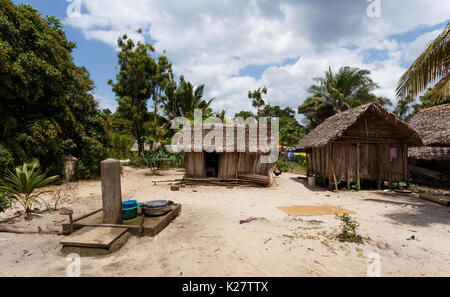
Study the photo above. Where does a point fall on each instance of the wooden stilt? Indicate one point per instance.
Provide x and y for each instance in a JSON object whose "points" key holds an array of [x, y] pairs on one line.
{"points": [[378, 165], [347, 167], [358, 182], [328, 152], [390, 166], [334, 175], [405, 164]]}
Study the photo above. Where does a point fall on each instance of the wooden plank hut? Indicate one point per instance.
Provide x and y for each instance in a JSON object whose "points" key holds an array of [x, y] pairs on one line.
{"points": [[235, 157], [366, 143], [430, 164]]}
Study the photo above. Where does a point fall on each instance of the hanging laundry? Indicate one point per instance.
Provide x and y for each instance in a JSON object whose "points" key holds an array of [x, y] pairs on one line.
{"points": [[393, 154], [289, 156]]}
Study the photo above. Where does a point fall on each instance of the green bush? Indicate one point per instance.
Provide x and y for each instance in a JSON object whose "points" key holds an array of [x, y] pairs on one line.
{"points": [[89, 162], [348, 229], [6, 160], [296, 165], [139, 161], [5, 201], [22, 183], [177, 159], [121, 146]]}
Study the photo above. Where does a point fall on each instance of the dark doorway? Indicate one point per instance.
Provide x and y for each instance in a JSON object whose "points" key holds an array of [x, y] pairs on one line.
{"points": [[212, 164]]}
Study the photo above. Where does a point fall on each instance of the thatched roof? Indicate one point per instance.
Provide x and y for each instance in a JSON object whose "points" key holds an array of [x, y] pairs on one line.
{"points": [[335, 126], [243, 138], [429, 153], [433, 125]]}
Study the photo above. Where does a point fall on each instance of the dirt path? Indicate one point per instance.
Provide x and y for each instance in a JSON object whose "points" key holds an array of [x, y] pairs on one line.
{"points": [[208, 240]]}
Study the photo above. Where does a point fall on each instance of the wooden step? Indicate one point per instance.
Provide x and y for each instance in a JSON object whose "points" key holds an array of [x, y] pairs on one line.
{"points": [[96, 237]]}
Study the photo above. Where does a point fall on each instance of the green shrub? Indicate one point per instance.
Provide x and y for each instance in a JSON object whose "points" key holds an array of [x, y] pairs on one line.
{"points": [[285, 166], [142, 161], [5, 201], [177, 160], [348, 229], [139, 161], [121, 146], [6, 160], [22, 183], [92, 154]]}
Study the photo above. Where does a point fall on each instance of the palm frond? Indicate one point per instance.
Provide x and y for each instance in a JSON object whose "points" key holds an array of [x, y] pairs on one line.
{"points": [[430, 66], [22, 184], [442, 87]]}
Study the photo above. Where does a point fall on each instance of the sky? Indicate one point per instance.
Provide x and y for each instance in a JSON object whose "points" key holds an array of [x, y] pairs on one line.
{"points": [[233, 46]]}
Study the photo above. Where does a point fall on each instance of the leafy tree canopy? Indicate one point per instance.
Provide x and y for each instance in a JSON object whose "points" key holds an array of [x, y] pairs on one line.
{"points": [[256, 97], [290, 129], [46, 104], [133, 86]]}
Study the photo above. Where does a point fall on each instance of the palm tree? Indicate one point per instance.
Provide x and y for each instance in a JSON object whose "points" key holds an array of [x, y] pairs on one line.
{"points": [[22, 183], [336, 92], [190, 98], [256, 98], [430, 67], [403, 107]]}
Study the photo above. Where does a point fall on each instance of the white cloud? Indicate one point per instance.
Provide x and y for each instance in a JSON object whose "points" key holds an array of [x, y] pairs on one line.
{"points": [[105, 102], [414, 49], [210, 41]]}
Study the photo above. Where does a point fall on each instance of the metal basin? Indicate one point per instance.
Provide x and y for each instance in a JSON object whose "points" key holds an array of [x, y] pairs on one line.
{"points": [[156, 207]]}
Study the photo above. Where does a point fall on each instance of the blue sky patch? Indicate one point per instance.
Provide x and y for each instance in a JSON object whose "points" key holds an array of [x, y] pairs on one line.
{"points": [[253, 70], [412, 35], [372, 54]]}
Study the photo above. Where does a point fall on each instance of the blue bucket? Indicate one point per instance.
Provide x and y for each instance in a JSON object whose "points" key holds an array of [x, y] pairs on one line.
{"points": [[129, 209], [129, 204]]}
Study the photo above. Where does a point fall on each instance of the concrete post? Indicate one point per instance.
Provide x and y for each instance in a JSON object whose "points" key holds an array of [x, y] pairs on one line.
{"points": [[111, 191]]}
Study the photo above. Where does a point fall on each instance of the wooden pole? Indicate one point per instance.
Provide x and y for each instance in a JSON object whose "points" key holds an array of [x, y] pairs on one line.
{"points": [[347, 167], [358, 182], [378, 166], [405, 164], [328, 165], [390, 167], [237, 158], [334, 175], [27, 231], [367, 147]]}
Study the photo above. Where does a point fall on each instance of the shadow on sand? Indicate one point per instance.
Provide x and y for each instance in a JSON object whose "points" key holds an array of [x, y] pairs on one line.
{"points": [[413, 211], [420, 212], [316, 188]]}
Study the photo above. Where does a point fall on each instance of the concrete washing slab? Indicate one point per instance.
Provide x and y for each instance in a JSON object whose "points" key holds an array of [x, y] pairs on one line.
{"points": [[91, 232]]}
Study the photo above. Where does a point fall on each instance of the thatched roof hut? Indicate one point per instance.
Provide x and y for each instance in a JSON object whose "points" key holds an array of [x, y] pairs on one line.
{"points": [[336, 126], [226, 151], [234, 137], [433, 126], [431, 164], [362, 143]]}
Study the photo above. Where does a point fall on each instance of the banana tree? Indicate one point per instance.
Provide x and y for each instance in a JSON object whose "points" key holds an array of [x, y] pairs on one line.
{"points": [[22, 183]]}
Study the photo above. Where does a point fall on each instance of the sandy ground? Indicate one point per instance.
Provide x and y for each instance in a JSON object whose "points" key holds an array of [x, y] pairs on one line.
{"points": [[208, 240]]}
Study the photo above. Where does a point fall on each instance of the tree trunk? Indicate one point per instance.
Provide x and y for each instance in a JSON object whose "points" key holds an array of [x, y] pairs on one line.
{"points": [[156, 108], [28, 216]]}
